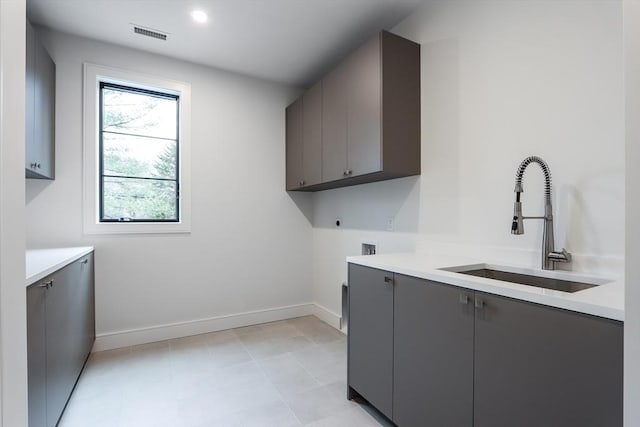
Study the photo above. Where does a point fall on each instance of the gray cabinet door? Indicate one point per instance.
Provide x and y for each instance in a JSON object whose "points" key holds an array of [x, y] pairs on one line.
{"points": [[294, 145], [370, 360], [36, 355], [539, 366], [86, 309], [61, 345], [30, 103], [312, 135], [39, 109], [69, 332], [433, 354], [400, 105], [45, 96], [334, 124], [80, 312], [364, 116]]}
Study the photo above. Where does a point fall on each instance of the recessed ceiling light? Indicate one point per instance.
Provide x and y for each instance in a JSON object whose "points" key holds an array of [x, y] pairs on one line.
{"points": [[199, 16]]}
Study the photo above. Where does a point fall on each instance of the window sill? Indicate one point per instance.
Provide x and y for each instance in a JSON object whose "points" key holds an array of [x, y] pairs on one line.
{"points": [[137, 228]]}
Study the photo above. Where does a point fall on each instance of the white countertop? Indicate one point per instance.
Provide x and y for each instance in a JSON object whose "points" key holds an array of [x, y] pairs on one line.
{"points": [[42, 262], [604, 300]]}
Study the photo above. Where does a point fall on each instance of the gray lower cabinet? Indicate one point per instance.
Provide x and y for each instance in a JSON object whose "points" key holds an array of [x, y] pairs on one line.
{"points": [[542, 366], [432, 354], [40, 97], [465, 358], [37, 356], [370, 361], [60, 334]]}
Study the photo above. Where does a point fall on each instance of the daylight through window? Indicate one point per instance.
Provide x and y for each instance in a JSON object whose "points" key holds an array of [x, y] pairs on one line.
{"points": [[139, 165]]}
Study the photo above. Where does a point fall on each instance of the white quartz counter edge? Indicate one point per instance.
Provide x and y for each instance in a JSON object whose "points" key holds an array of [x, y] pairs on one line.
{"points": [[42, 262], [606, 300]]}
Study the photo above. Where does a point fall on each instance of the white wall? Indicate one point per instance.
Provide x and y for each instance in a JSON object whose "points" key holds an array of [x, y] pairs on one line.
{"points": [[500, 81], [249, 248], [632, 274], [13, 328]]}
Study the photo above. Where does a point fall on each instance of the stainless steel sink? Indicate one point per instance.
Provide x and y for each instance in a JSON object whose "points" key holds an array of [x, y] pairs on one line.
{"points": [[529, 278]]}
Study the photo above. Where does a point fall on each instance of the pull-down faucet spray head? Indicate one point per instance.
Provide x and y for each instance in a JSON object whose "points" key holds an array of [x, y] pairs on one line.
{"points": [[517, 226]]}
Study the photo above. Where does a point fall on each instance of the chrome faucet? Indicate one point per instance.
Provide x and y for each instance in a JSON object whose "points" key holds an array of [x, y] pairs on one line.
{"points": [[549, 255]]}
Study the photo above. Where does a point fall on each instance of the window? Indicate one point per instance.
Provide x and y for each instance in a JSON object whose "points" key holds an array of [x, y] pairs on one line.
{"points": [[136, 160], [138, 154]]}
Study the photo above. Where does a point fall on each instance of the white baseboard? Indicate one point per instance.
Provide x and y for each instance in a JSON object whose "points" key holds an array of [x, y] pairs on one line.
{"points": [[111, 340], [326, 315]]}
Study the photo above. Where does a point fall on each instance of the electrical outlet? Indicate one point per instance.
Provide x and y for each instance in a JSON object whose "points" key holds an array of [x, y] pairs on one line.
{"points": [[389, 223]]}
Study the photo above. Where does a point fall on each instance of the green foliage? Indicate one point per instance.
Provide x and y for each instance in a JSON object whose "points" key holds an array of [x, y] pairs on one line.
{"points": [[117, 161], [165, 166], [127, 112]]}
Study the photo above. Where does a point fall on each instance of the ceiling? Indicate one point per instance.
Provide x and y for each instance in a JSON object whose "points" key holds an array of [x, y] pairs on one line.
{"points": [[288, 41]]}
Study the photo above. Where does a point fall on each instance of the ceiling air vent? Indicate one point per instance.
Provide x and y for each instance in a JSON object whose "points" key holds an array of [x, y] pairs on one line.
{"points": [[149, 33]]}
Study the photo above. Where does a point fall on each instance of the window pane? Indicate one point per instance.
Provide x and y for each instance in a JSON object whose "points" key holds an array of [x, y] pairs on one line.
{"points": [[139, 157], [139, 199], [138, 113]]}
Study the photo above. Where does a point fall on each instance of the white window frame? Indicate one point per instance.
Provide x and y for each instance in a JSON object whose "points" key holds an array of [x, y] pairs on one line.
{"points": [[93, 75]]}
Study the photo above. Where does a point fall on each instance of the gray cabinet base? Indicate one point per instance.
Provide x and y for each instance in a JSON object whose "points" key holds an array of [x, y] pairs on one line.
{"points": [[465, 358], [60, 334]]}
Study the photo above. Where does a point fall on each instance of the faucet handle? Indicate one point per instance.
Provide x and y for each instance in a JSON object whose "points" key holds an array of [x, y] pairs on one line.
{"points": [[562, 256]]}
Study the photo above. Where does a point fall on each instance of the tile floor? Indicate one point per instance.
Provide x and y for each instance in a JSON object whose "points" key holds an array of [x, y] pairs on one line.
{"points": [[286, 373]]}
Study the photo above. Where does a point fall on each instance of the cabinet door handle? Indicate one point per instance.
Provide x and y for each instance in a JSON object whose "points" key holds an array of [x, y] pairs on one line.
{"points": [[84, 261], [388, 279], [464, 299], [301, 182], [46, 285], [347, 172], [479, 304]]}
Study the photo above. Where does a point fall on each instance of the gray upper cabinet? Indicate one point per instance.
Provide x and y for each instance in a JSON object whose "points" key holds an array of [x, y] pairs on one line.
{"points": [[60, 334], [31, 150], [304, 140], [370, 115], [464, 358], [40, 109]]}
